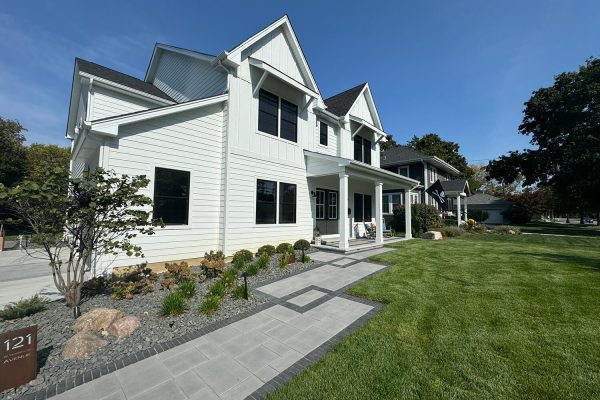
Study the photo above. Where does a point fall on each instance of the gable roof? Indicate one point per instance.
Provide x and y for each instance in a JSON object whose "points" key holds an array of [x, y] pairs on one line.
{"points": [[404, 154], [341, 103], [120, 78], [488, 199], [456, 185]]}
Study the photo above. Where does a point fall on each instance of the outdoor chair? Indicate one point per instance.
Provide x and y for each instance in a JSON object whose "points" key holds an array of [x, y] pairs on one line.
{"points": [[369, 232]]}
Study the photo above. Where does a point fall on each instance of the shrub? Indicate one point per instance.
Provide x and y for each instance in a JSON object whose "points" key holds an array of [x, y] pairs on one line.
{"points": [[210, 305], [517, 215], [284, 248], [187, 288], [478, 215], [263, 261], [238, 292], [127, 289], [214, 261], [118, 292], [424, 217], [173, 304], [243, 256], [266, 249], [450, 231], [450, 221], [507, 230], [23, 308], [217, 289], [229, 277], [168, 283], [302, 245], [239, 265], [281, 264], [252, 269], [179, 271], [94, 286], [290, 257], [305, 259]]}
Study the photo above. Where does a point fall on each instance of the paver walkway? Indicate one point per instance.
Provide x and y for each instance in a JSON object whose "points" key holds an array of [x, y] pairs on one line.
{"points": [[254, 355]]}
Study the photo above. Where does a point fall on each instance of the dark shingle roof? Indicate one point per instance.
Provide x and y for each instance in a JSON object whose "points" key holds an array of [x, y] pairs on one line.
{"points": [[455, 185], [120, 78], [340, 103], [397, 154], [487, 199]]}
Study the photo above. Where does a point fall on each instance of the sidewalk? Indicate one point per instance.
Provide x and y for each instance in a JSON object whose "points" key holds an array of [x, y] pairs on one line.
{"points": [[253, 356]]}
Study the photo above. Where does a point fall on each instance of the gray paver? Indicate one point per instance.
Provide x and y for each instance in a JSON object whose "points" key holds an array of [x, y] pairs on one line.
{"points": [[166, 390], [306, 298], [344, 261], [243, 389], [266, 373], [368, 253], [222, 373], [138, 377], [190, 383], [256, 358], [183, 362], [286, 360], [325, 256]]}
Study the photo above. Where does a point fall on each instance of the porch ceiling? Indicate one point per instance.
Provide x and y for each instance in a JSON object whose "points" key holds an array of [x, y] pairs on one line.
{"points": [[318, 164]]}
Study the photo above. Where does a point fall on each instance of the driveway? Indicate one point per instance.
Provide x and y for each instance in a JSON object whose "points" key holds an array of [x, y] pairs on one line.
{"points": [[23, 275]]}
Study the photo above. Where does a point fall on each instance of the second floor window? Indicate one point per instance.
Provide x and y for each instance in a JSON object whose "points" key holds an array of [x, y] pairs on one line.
{"points": [[432, 174], [362, 150], [403, 171], [277, 116], [323, 133]]}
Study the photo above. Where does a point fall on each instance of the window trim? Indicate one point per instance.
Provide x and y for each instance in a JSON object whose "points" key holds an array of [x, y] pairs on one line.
{"points": [[407, 170], [390, 203], [187, 224], [432, 174]]}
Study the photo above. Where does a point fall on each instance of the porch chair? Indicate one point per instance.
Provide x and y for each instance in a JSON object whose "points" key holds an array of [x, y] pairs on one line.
{"points": [[369, 232], [387, 231]]}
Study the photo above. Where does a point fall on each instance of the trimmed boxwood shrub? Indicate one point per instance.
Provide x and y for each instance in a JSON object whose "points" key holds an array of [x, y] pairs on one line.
{"points": [[284, 248], [266, 249], [302, 245], [242, 256]]}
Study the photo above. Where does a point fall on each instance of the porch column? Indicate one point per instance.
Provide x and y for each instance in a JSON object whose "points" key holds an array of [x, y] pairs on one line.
{"points": [[466, 215], [407, 214], [458, 214], [378, 212], [343, 220]]}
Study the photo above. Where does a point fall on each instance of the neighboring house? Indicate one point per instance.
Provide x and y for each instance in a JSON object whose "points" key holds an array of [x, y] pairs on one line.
{"points": [[427, 170], [240, 148], [494, 206]]}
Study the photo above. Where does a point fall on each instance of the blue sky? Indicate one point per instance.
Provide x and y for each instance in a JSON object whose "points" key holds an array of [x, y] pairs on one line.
{"points": [[462, 69]]}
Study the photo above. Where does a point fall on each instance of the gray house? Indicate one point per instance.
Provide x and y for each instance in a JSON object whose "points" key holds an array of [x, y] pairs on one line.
{"points": [[427, 170]]}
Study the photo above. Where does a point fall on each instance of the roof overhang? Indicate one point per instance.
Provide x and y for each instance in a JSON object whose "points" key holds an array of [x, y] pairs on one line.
{"points": [[319, 164], [269, 70], [381, 135], [110, 126], [160, 47], [370, 103], [433, 160]]}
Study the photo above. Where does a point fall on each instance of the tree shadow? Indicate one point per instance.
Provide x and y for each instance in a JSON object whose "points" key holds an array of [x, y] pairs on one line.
{"points": [[592, 262]]}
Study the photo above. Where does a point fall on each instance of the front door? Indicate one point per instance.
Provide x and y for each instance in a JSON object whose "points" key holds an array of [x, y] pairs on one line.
{"points": [[326, 211]]}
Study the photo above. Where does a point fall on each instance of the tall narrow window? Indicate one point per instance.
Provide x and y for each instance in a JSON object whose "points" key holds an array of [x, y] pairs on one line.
{"points": [[367, 151], [358, 207], [367, 209], [287, 203], [320, 204], [332, 205], [266, 202], [358, 148], [171, 196], [386, 204], [323, 133], [289, 121], [268, 109]]}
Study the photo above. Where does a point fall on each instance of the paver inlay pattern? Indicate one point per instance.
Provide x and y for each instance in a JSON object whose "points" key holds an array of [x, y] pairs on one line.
{"points": [[235, 361]]}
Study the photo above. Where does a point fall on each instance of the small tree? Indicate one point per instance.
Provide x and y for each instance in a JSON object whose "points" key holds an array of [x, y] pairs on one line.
{"points": [[76, 221]]}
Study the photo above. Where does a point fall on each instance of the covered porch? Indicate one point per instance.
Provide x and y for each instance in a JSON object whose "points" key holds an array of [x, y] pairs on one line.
{"points": [[346, 201]]}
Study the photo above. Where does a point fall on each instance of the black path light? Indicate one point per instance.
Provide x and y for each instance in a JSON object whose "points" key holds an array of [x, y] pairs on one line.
{"points": [[245, 276]]}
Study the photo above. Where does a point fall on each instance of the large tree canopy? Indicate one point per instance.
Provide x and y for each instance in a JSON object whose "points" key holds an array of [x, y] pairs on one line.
{"points": [[563, 122], [432, 144], [12, 152]]}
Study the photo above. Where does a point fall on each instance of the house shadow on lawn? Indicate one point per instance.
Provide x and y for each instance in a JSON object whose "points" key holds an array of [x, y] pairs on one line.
{"points": [[592, 262]]}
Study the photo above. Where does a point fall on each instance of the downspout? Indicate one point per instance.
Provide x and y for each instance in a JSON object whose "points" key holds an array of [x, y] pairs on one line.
{"points": [[425, 180]]}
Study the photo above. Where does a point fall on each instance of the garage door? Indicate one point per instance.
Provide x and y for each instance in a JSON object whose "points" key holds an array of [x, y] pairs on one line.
{"points": [[495, 217]]}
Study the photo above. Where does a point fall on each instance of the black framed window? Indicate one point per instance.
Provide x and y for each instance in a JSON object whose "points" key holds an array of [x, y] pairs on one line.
{"points": [[266, 202], [268, 112], [403, 171], [320, 202], [171, 196], [289, 121], [367, 151], [332, 205], [287, 203], [323, 133], [358, 207], [358, 148], [368, 207], [386, 204]]}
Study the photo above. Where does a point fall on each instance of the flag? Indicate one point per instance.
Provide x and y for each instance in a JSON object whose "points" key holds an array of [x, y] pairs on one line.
{"points": [[436, 191]]}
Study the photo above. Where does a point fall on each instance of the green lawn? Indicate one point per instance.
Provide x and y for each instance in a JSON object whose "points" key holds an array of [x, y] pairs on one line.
{"points": [[561, 229], [482, 316]]}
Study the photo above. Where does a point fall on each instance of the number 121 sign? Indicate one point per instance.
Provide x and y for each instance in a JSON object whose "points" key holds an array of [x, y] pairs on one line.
{"points": [[18, 357]]}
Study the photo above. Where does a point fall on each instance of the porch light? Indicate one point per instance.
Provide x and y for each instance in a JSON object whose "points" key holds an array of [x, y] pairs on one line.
{"points": [[313, 193]]}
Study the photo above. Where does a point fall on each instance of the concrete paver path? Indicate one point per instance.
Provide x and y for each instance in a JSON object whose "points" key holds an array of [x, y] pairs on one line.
{"points": [[241, 359]]}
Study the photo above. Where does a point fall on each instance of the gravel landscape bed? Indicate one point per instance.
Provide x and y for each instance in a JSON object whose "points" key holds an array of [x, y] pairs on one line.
{"points": [[54, 326]]}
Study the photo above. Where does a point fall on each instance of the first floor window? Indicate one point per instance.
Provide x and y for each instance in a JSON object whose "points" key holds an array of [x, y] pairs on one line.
{"points": [[386, 204], [362, 207], [415, 198], [323, 133], [287, 203], [266, 202], [320, 204], [332, 205], [171, 196], [391, 201]]}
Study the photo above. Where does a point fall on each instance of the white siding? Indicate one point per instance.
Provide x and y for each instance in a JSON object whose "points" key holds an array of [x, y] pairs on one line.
{"points": [[190, 141], [332, 139], [361, 109], [185, 78], [108, 103], [275, 50]]}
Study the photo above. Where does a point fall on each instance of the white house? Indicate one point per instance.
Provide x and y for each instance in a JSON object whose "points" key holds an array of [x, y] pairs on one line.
{"points": [[240, 148]]}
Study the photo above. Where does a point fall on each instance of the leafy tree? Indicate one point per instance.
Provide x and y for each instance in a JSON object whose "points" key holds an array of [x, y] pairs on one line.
{"points": [[563, 122], [388, 144], [42, 157], [432, 144], [12, 152], [99, 214]]}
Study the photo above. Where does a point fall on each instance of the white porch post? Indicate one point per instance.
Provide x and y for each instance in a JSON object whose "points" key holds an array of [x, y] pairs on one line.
{"points": [[466, 215], [343, 217], [407, 214], [458, 215], [378, 212]]}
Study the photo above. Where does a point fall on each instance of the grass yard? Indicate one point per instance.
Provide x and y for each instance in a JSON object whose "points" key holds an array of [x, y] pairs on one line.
{"points": [[480, 316], [561, 229]]}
